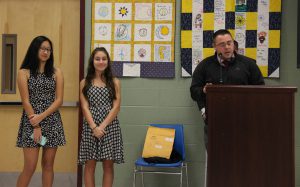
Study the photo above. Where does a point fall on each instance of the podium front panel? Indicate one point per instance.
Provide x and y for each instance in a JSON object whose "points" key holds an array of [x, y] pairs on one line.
{"points": [[250, 136]]}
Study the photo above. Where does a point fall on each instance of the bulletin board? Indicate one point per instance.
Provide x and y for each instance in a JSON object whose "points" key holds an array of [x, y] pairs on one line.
{"points": [[139, 36], [254, 24]]}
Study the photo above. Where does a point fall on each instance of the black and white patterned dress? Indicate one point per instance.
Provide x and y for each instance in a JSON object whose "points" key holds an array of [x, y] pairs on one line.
{"points": [[108, 147], [41, 95]]}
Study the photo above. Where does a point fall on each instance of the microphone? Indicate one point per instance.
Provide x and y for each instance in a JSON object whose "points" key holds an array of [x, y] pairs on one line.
{"points": [[224, 62], [221, 72], [221, 76], [220, 56]]}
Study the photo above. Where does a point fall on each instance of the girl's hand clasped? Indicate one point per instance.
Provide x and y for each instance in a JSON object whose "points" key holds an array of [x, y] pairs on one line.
{"points": [[98, 132], [35, 119]]}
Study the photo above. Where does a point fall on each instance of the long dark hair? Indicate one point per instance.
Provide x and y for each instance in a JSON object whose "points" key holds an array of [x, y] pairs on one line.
{"points": [[31, 60], [106, 76]]}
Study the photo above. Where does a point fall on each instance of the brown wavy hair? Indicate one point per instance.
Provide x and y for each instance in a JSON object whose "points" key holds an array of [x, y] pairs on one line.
{"points": [[106, 76]]}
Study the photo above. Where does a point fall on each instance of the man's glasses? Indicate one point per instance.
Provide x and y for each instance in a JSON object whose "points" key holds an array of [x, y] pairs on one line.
{"points": [[223, 44], [48, 50]]}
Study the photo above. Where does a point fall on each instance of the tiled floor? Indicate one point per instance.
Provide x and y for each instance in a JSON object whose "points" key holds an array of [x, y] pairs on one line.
{"points": [[60, 179]]}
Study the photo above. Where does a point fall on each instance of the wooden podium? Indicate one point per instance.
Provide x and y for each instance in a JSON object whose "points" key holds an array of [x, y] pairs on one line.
{"points": [[250, 136]]}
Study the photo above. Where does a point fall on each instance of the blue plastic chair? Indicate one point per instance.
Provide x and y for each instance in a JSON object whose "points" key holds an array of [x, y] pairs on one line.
{"points": [[141, 166]]}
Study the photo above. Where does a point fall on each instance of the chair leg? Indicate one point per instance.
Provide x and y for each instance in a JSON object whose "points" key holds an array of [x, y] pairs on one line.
{"points": [[142, 177], [181, 177], [134, 176], [186, 175]]}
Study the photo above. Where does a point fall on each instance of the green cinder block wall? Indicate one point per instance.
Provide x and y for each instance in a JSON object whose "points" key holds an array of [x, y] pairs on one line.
{"points": [[147, 101]]}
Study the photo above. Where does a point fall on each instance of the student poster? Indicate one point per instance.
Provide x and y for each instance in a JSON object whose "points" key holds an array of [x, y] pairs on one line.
{"points": [[254, 24], [139, 36]]}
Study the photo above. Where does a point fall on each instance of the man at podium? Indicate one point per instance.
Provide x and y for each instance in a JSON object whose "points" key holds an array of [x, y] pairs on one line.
{"points": [[224, 67]]}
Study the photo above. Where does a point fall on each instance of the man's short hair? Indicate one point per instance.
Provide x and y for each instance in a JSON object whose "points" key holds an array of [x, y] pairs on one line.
{"points": [[220, 32]]}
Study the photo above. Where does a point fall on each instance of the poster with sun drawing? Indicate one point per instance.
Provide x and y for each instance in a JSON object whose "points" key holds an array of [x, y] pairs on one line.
{"points": [[138, 34], [254, 24]]}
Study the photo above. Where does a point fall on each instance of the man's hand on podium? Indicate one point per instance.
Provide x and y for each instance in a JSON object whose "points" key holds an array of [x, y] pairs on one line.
{"points": [[203, 113]]}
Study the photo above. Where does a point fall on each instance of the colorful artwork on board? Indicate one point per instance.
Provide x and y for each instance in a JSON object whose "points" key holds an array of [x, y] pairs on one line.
{"points": [[254, 24], [139, 36]]}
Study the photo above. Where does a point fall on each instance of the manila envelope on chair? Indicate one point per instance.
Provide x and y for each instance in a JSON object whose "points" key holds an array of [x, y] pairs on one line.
{"points": [[159, 142]]}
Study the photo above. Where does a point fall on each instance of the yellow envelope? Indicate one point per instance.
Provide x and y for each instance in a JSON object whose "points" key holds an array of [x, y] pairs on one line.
{"points": [[159, 142]]}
